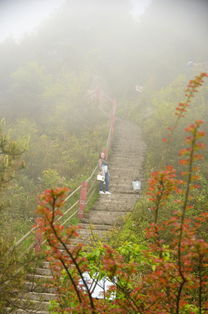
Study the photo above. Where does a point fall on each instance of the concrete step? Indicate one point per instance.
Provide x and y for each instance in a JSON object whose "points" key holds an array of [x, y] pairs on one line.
{"points": [[121, 183], [125, 173], [90, 238], [129, 150], [127, 159], [107, 227], [117, 183], [113, 206], [36, 277], [38, 296], [21, 311], [45, 264], [84, 233], [115, 197], [123, 188], [124, 142], [126, 183], [116, 201], [43, 271], [123, 180], [126, 155], [94, 226], [125, 162], [118, 168], [37, 287], [119, 208], [108, 218], [116, 204], [119, 188], [33, 305], [127, 192]]}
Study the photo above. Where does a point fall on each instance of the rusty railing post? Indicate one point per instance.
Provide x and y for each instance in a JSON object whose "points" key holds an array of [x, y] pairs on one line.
{"points": [[83, 198], [38, 239]]}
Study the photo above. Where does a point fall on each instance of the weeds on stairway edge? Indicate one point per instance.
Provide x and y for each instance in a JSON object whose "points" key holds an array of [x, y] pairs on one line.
{"points": [[168, 274]]}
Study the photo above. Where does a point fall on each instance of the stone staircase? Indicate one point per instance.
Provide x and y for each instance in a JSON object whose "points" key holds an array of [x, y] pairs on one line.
{"points": [[36, 297], [125, 164]]}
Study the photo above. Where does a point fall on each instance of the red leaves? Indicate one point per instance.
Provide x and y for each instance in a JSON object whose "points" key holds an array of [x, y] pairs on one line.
{"points": [[183, 162], [50, 202], [181, 108], [184, 151], [162, 184], [194, 84], [200, 134], [180, 268], [190, 152], [199, 145]]}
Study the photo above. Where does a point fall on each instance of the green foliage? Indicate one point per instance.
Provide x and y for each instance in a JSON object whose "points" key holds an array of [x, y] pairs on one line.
{"points": [[13, 264], [10, 157], [52, 306], [10, 281], [134, 225], [92, 196], [190, 308], [163, 116], [51, 179], [10, 161], [65, 132]]}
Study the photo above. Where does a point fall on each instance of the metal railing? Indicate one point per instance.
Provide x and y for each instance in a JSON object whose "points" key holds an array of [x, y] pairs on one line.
{"points": [[68, 214]]}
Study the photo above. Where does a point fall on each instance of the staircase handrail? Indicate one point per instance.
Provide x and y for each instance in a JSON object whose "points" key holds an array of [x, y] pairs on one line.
{"points": [[112, 125], [70, 208]]}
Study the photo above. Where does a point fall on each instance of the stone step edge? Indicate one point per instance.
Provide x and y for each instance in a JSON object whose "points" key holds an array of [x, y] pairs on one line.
{"points": [[93, 226], [97, 209], [17, 310], [40, 296]]}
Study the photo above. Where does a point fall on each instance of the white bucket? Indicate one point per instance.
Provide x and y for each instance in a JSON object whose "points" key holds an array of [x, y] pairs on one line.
{"points": [[136, 185]]}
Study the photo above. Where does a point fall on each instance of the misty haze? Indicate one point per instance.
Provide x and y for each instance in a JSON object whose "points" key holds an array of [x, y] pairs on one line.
{"points": [[103, 156]]}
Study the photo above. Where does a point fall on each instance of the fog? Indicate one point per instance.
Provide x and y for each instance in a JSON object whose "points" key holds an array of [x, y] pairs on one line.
{"points": [[122, 44], [19, 18]]}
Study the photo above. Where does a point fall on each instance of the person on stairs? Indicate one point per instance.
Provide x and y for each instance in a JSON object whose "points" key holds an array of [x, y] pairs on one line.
{"points": [[103, 167]]}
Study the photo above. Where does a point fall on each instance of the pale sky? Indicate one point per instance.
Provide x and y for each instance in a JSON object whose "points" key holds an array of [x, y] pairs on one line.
{"points": [[140, 6], [21, 17]]}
